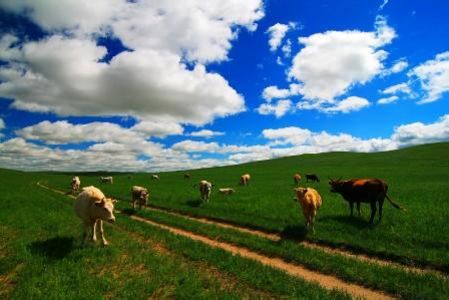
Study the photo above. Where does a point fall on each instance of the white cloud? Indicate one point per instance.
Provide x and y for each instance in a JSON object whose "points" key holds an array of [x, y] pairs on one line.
{"points": [[398, 66], [330, 63], [433, 76], [159, 129], [279, 109], [65, 75], [2, 124], [273, 92], [419, 133], [287, 48], [385, 2], [206, 133], [398, 88], [276, 33], [387, 100], [195, 146], [349, 104]]}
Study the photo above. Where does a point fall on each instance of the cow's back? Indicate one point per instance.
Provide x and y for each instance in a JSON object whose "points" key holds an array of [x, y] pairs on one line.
{"points": [[364, 190], [85, 200]]}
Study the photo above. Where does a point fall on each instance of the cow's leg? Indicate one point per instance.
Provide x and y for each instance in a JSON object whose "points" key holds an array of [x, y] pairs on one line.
{"points": [[373, 211], [86, 230], [381, 203], [94, 232], [358, 208], [351, 207], [312, 221], [105, 242]]}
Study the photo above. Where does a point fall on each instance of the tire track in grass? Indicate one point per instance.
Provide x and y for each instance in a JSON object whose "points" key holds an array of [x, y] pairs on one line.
{"points": [[308, 244], [326, 281]]}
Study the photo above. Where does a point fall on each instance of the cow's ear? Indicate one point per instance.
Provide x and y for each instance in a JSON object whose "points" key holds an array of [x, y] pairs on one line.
{"points": [[113, 200], [305, 190]]}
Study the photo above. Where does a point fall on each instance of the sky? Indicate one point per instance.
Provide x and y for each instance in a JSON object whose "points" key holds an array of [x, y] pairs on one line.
{"points": [[166, 85]]}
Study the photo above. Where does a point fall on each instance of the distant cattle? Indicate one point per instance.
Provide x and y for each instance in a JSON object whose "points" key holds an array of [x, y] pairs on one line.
{"points": [[107, 179], [226, 191], [371, 191], [297, 178], [310, 201], [244, 179], [205, 188], [312, 177], [187, 176], [75, 184], [92, 207], [130, 177], [140, 195], [155, 177]]}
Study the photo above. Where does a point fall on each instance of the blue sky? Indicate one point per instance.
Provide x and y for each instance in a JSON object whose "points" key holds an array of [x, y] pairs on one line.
{"points": [[160, 85]]}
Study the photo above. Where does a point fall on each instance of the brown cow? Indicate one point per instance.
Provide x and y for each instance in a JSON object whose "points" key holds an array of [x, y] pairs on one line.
{"points": [[187, 176], [310, 201], [297, 178], [244, 179], [363, 190]]}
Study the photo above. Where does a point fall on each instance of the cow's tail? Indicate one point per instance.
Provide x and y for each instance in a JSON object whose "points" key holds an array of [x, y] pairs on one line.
{"points": [[394, 204]]}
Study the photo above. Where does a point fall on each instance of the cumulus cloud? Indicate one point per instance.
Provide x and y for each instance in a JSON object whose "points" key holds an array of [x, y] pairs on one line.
{"points": [[276, 33], [163, 78], [330, 63], [387, 100], [349, 104], [2, 124], [279, 109], [273, 92], [420, 133], [398, 88], [433, 75], [206, 133]]}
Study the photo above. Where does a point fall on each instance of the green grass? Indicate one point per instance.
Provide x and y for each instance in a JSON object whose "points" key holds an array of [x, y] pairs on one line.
{"points": [[418, 179], [41, 257]]}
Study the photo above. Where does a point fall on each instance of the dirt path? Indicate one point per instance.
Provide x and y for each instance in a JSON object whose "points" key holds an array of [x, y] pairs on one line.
{"points": [[307, 244], [326, 281]]}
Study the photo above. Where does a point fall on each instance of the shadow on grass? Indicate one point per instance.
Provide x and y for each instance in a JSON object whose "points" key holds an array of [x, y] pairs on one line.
{"points": [[129, 211], [294, 233], [55, 248], [356, 222], [194, 202]]}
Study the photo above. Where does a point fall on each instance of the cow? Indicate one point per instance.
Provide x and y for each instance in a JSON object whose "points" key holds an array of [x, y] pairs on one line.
{"points": [[205, 188], [155, 177], [226, 191], [244, 179], [107, 179], [92, 207], [359, 190], [75, 184], [312, 177], [140, 195], [130, 177], [310, 201], [297, 178], [187, 176]]}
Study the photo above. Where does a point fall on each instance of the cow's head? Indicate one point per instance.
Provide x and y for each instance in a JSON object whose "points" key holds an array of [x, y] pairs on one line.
{"points": [[336, 185], [144, 195], [300, 192], [105, 209]]}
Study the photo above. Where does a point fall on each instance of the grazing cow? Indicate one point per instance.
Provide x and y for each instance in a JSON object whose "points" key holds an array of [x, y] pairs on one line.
{"points": [[92, 207], [187, 176], [107, 179], [139, 195], [297, 178], [244, 179], [155, 177], [205, 190], [312, 177], [310, 201], [371, 191], [226, 191], [75, 184], [130, 177]]}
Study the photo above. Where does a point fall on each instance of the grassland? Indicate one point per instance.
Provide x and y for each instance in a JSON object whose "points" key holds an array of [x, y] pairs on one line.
{"points": [[417, 177]]}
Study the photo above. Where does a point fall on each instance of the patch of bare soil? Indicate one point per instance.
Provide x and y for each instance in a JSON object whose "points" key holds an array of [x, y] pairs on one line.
{"points": [[7, 281]]}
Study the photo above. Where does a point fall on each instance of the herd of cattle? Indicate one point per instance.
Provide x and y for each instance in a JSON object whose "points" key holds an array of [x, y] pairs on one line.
{"points": [[92, 207]]}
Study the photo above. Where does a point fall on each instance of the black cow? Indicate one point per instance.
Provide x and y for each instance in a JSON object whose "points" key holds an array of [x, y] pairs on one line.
{"points": [[312, 177], [363, 190]]}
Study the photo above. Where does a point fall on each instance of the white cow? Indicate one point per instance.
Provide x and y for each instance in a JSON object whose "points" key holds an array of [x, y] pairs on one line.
{"points": [[139, 195], [92, 207], [107, 179], [205, 190], [155, 177], [226, 191], [75, 184]]}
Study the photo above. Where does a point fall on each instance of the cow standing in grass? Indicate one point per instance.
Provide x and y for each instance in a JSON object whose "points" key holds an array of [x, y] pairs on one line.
{"points": [[155, 177], [244, 179], [297, 178], [310, 201], [107, 179], [226, 191], [312, 177], [205, 188], [92, 207], [140, 195], [75, 184], [187, 176], [373, 191]]}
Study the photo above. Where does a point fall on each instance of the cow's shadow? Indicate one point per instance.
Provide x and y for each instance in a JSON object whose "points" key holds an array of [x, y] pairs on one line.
{"points": [[129, 211], [55, 248], [194, 202], [294, 232], [354, 221]]}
